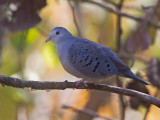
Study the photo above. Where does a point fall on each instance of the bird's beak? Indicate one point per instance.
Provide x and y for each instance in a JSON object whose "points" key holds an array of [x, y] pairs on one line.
{"points": [[48, 39]]}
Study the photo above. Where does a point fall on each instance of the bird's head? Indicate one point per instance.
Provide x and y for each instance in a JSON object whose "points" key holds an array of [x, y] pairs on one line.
{"points": [[58, 33]]}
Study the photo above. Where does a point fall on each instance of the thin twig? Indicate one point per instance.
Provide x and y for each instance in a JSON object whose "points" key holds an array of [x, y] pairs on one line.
{"points": [[119, 45], [86, 111], [122, 102], [42, 31], [146, 113], [148, 108], [121, 13], [74, 18], [119, 27], [133, 57], [115, 11], [37, 85], [132, 7], [111, 2]]}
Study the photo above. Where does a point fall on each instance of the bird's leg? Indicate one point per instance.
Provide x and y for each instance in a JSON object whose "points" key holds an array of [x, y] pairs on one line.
{"points": [[81, 81]]}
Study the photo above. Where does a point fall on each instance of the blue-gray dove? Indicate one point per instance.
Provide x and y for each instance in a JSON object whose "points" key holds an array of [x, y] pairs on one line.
{"points": [[86, 59]]}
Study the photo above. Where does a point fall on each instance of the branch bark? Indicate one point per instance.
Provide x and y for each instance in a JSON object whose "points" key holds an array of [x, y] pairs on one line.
{"points": [[37, 85]]}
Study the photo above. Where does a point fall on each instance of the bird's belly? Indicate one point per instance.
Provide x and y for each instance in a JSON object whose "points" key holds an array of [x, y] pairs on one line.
{"points": [[64, 59], [73, 71], [69, 68], [78, 74]]}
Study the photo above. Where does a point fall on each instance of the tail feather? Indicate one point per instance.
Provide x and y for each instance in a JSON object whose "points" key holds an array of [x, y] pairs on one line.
{"points": [[130, 74]]}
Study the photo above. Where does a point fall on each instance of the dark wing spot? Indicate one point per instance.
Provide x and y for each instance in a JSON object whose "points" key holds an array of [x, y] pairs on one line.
{"points": [[86, 58], [96, 58], [108, 65], [95, 68], [109, 69], [90, 62], [105, 61], [80, 61]]}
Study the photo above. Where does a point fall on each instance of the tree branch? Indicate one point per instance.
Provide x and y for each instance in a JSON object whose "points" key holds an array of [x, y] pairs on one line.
{"points": [[74, 18], [111, 2], [115, 11], [37, 85], [119, 46], [119, 27], [86, 111]]}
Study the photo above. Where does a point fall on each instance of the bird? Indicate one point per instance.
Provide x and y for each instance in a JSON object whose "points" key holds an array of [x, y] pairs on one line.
{"points": [[88, 60]]}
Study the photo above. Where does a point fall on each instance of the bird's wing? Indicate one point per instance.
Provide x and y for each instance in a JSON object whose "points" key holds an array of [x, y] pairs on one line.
{"points": [[89, 58], [116, 60]]}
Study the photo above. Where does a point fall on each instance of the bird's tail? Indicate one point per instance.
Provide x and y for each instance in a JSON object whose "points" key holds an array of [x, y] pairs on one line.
{"points": [[130, 74]]}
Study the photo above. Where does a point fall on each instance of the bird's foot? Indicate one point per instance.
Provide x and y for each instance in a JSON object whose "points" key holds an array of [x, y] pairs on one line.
{"points": [[81, 81]]}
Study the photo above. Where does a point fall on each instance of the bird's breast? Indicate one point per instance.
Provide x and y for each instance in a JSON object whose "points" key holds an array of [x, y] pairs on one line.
{"points": [[63, 54]]}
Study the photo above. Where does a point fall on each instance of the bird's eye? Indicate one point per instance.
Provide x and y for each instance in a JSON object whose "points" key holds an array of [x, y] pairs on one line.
{"points": [[57, 33]]}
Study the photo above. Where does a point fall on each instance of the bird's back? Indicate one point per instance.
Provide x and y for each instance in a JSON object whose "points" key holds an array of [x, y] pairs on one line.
{"points": [[90, 59]]}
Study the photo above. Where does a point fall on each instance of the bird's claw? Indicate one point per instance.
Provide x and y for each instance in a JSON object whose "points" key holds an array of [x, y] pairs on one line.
{"points": [[81, 81]]}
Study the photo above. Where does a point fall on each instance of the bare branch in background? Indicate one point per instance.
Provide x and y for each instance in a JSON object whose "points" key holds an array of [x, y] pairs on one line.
{"points": [[74, 18], [119, 27], [37, 85], [44, 33], [133, 57], [119, 46], [115, 11], [85, 111], [122, 102], [146, 113], [111, 2]]}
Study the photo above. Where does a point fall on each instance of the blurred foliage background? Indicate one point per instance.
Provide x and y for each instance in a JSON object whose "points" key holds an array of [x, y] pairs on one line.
{"points": [[24, 27]]}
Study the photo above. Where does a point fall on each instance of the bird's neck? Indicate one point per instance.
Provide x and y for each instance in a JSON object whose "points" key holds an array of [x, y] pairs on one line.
{"points": [[62, 39], [63, 46]]}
